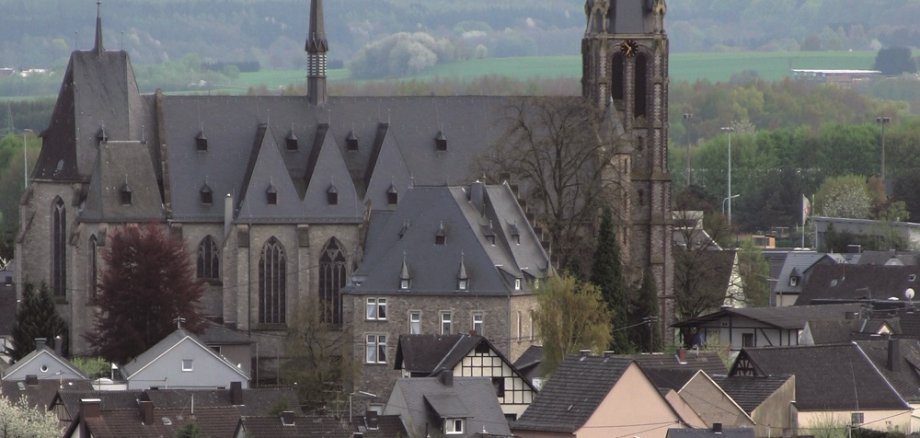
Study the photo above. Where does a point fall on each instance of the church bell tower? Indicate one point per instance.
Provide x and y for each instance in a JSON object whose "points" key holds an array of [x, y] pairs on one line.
{"points": [[625, 73]]}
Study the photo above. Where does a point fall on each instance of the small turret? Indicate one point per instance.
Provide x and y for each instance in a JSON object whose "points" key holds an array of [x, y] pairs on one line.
{"points": [[317, 46], [98, 48]]}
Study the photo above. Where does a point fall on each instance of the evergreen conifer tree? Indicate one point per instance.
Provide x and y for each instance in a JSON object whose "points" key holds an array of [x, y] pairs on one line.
{"points": [[644, 325], [36, 318], [607, 275]]}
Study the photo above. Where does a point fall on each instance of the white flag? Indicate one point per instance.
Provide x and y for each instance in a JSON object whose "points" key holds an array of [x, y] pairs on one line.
{"points": [[806, 209]]}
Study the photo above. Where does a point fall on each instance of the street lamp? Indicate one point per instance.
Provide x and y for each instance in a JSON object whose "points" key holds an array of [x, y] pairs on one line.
{"points": [[25, 158], [728, 199], [883, 121], [728, 196], [687, 118], [364, 393]]}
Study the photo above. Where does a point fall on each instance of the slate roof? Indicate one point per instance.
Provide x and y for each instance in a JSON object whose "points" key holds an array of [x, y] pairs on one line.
{"points": [[426, 354], [904, 377], [775, 259], [667, 378], [859, 282], [800, 262], [387, 426], [408, 233], [166, 344], [42, 392], [110, 400], [790, 317], [749, 392], [118, 423], [888, 258], [304, 426], [528, 363], [256, 401], [841, 331], [827, 377], [708, 361], [740, 432], [471, 397], [218, 334], [573, 394]]}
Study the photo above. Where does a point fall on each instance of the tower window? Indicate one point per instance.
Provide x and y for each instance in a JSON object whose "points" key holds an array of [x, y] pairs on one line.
{"points": [[332, 195], [641, 84], [201, 142]]}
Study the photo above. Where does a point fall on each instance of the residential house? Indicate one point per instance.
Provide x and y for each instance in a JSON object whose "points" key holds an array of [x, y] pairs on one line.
{"points": [[834, 384], [768, 400], [232, 345], [466, 356], [181, 360], [683, 359], [856, 283], [528, 364], [899, 361], [43, 364], [845, 330], [447, 260], [66, 402], [592, 396], [760, 326], [373, 425], [40, 393], [706, 398], [795, 272], [447, 406]]}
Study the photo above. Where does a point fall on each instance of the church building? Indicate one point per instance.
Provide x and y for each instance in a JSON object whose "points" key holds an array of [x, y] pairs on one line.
{"points": [[277, 197]]}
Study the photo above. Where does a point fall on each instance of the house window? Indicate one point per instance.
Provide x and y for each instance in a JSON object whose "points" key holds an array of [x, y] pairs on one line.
{"points": [[415, 322], [208, 259], [445, 323], [377, 309], [440, 142], [291, 142], [93, 268], [517, 284], [376, 349], [856, 418], [499, 384], [187, 365], [392, 195], [272, 283], [352, 142], [59, 248], [453, 426], [462, 284], [404, 283], [477, 324], [332, 273], [793, 281], [747, 340]]}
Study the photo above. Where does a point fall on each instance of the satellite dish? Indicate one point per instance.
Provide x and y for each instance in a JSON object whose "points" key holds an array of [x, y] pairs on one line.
{"points": [[909, 293]]}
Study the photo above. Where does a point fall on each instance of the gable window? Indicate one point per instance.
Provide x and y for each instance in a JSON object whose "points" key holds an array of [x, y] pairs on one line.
{"points": [[332, 195], [445, 323], [188, 365], [376, 309], [462, 283], [59, 248], [747, 340], [856, 418], [440, 236], [376, 349], [93, 268], [440, 141], [332, 273], [271, 195], [208, 259], [272, 283], [453, 426], [415, 322], [477, 323], [404, 283]]}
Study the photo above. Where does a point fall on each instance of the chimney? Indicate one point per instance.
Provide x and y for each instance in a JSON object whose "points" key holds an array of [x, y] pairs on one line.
{"points": [[89, 408], [146, 408], [236, 393], [682, 355], [446, 377], [584, 353], [717, 428], [287, 418], [477, 194], [894, 355], [40, 343], [609, 353], [228, 213]]}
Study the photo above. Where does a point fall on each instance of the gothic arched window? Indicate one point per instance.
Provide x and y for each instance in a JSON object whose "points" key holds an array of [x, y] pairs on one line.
{"points": [[93, 268], [272, 279], [59, 248], [616, 76], [332, 273], [641, 90], [208, 259]]}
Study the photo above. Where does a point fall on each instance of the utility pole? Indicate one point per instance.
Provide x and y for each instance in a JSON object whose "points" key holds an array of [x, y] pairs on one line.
{"points": [[25, 158], [883, 121], [687, 118], [728, 195]]}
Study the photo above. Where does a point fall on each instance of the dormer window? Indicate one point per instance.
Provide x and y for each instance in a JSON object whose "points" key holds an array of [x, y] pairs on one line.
{"points": [[793, 281], [101, 136], [351, 142], [206, 195], [291, 142], [463, 280], [517, 284], [515, 234], [440, 141], [404, 284], [392, 195], [462, 284], [201, 142], [332, 195], [453, 426], [404, 278], [271, 195], [440, 237], [125, 194]]}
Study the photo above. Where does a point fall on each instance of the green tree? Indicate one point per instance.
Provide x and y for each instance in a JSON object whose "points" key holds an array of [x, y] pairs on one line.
{"points": [[893, 61], [92, 367], [607, 275], [36, 318], [644, 331], [570, 316], [755, 272], [147, 284], [19, 419], [843, 196], [190, 430]]}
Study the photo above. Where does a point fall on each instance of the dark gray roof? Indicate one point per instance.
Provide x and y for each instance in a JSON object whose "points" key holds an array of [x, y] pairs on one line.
{"points": [[732, 432], [572, 395], [856, 282], [801, 262], [749, 391], [218, 334], [528, 361], [303, 426], [888, 258], [385, 426], [708, 361], [70, 399], [775, 259], [256, 401], [426, 354], [665, 378], [827, 377], [903, 374], [120, 166], [473, 397], [408, 233], [42, 392], [790, 317], [845, 330]]}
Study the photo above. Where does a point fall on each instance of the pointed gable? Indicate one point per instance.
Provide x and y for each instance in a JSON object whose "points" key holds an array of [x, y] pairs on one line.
{"points": [[121, 166], [387, 171], [266, 173], [180, 360], [326, 173], [45, 364]]}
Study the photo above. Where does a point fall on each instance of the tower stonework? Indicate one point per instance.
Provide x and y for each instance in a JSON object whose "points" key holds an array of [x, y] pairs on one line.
{"points": [[625, 69]]}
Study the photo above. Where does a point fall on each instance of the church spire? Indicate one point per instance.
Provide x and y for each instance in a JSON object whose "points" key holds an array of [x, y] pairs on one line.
{"points": [[316, 47], [98, 47]]}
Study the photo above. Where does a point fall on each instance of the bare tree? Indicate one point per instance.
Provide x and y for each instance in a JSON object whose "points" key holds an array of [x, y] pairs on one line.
{"points": [[561, 153], [702, 269]]}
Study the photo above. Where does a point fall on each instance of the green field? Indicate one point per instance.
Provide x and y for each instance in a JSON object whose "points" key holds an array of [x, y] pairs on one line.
{"points": [[714, 67]]}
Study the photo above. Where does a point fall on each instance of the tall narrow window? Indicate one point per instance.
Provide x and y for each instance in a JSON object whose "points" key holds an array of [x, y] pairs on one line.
{"points": [[415, 322], [208, 259], [376, 349], [445, 323], [616, 75], [477, 324], [272, 283], [332, 273], [93, 268], [641, 84], [59, 248]]}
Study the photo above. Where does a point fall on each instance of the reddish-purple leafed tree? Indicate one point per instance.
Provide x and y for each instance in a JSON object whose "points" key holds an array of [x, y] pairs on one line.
{"points": [[147, 284]]}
